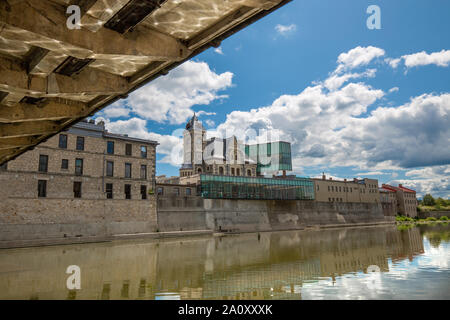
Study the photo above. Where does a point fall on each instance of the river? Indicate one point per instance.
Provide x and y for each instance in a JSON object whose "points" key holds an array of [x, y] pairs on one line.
{"points": [[347, 263]]}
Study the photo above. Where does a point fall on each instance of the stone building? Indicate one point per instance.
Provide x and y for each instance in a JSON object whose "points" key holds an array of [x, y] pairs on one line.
{"points": [[388, 201], [231, 157], [363, 190], [85, 177], [405, 198]]}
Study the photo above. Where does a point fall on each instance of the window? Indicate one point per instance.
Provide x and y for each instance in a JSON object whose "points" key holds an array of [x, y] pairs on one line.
{"points": [[43, 163], [238, 172], [144, 192], [109, 191], [110, 147], [160, 191], [143, 152], [249, 172], [4, 166], [176, 191], [317, 187], [79, 167], [63, 141], [328, 188], [143, 171], [109, 168], [80, 143], [77, 189], [188, 191], [221, 170], [128, 191], [64, 164], [127, 170], [42, 188], [128, 149], [232, 171]]}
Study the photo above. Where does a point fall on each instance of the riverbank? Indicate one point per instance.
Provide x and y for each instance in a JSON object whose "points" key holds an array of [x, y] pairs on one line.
{"points": [[167, 234]]}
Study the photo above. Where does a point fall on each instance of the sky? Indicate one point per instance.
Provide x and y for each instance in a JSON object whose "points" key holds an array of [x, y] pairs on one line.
{"points": [[353, 101]]}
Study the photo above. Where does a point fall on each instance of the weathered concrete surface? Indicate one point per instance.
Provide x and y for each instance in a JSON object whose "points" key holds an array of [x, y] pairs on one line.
{"points": [[435, 214], [36, 219], [263, 215]]}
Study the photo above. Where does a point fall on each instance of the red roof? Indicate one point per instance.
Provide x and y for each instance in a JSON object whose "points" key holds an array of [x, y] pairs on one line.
{"points": [[394, 189]]}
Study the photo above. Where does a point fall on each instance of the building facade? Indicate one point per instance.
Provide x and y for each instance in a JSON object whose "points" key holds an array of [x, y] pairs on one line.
{"points": [[230, 157], [388, 201], [82, 174], [405, 199], [363, 190]]}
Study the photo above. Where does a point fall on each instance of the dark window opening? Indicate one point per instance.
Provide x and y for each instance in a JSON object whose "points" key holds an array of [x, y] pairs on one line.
{"points": [[127, 170], [109, 168], [144, 192], [4, 166], [176, 191], [128, 191], [79, 167], [128, 149], [110, 147], [80, 143], [77, 189], [42, 188], [160, 191], [64, 164], [109, 191], [43, 163], [188, 191], [144, 172], [63, 141]]}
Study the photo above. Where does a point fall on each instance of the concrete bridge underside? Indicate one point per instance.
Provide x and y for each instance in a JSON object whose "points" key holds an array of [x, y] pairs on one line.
{"points": [[52, 76]]}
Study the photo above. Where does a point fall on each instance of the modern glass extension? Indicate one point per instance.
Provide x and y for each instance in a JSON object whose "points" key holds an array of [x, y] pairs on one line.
{"points": [[232, 187], [270, 157]]}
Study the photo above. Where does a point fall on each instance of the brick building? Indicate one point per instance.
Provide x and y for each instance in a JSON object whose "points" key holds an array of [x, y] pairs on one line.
{"points": [[82, 175]]}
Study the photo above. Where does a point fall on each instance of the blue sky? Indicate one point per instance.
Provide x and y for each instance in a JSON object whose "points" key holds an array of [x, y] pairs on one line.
{"points": [[354, 102]]}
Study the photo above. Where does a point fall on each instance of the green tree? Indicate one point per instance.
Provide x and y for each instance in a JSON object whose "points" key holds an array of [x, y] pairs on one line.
{"points": [[428, 200]]}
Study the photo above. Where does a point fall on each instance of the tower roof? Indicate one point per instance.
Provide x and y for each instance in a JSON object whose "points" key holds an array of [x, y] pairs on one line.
{"points": [[193, 123]]}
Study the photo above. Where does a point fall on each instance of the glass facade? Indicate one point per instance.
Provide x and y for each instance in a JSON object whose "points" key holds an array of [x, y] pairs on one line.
{"points": [[270, 157], [229, 187]]}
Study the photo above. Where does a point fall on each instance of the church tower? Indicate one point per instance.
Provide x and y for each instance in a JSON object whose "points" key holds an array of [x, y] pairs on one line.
{"points": [[193, 139]]}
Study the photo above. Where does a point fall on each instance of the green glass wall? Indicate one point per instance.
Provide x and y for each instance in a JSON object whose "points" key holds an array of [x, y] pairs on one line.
{"points": [[232, 187], [270, 157]]}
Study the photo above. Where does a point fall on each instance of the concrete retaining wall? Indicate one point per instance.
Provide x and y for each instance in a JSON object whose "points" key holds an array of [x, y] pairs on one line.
{"points": [[262, 215], [31, 219], [436, 214]]}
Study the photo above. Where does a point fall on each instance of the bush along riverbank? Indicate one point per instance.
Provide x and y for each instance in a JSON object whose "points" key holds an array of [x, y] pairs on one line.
{"points": [[408, 221]]}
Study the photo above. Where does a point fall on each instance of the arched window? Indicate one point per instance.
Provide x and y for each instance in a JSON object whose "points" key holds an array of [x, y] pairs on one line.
{"points": [[221, 170], [199, 170], [249, 172], [238, 172], [232, 171]]}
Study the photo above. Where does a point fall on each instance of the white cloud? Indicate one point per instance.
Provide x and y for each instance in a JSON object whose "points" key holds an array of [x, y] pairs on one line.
{"points": [[434, 180], [358, 57], [394, 89], [441, 59], [285, 30], [371, 173], [210, 123], [171, 97], [218, 50]]}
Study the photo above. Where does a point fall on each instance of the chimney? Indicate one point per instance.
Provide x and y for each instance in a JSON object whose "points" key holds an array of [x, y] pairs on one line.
{"points": [[331, 178], [355, 180], [345, 180], [323, 176], [400, 185]]}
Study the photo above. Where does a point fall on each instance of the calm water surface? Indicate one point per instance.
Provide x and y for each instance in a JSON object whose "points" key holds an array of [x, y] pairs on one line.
{"points": [[325, 264]]}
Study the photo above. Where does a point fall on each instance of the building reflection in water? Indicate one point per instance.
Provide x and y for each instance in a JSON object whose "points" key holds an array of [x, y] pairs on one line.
{"points": [[247, 266]]}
